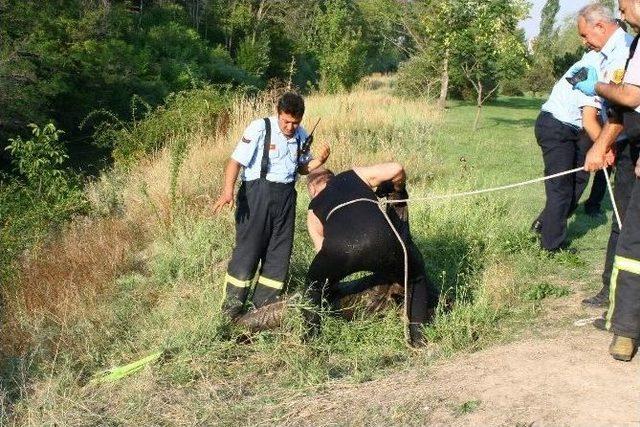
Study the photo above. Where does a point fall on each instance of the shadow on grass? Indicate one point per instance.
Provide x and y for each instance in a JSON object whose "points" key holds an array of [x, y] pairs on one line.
{"points": [[453, 263], [583, 223], [524, 103], [513, 122]]}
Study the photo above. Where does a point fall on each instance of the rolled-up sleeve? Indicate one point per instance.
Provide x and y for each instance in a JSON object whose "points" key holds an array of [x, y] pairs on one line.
{"points": [[245, 150]]}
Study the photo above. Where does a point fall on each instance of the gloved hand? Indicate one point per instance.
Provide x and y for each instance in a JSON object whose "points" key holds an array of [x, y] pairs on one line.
{"points": [[588, 86]]}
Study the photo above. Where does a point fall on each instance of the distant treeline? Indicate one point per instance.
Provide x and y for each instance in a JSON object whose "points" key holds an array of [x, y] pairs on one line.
{"points": [[61, 60]]}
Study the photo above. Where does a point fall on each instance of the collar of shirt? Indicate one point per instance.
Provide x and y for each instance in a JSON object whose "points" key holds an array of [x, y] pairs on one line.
{"points": [[275, 126], [612, 43]]}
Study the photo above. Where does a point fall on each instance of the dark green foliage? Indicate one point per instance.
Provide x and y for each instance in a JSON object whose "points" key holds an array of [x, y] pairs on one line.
{"points": [[39, 195], [64, 59], [182, 114], [562, 62], [339, 45]]}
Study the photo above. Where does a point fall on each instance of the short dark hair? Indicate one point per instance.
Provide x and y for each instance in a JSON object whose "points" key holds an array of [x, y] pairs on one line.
{"points": [[291, 103]]}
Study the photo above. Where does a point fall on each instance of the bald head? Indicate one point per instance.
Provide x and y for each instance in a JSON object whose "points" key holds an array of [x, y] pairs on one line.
{"points": [[317, 180]]}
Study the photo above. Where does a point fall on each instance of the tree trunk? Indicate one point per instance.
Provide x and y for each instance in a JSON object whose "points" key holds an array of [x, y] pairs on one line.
{"points": [[479, 105], [444, 82]]}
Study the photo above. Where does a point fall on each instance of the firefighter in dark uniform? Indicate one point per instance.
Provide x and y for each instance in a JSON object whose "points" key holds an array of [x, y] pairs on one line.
{"points": [[270, 155], [357, 238], [623, 315]]}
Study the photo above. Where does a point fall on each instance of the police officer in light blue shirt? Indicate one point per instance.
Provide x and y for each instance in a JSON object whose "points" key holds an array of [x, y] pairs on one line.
{"points": [[270, 155], [569, 122]]}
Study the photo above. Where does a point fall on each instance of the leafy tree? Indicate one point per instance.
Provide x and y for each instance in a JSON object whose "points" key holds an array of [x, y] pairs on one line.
{"points": [[497, 51], [547, 31], [339, 45]]}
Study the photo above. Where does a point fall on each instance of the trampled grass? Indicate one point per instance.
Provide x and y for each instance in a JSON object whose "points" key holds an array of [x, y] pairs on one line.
{"points": [[164, 291]]}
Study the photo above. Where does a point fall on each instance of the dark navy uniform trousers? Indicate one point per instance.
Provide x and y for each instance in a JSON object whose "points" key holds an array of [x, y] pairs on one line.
{"points": [[563, 147]]}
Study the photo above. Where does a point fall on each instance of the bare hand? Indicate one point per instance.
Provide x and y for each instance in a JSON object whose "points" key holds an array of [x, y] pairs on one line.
{"points": [[638, 168], [223, 200], [595, 160], [324, 152], [610, 157]]}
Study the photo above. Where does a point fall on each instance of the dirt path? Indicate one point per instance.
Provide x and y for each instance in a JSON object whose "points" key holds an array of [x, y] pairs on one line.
{"points": [[565, 378]]}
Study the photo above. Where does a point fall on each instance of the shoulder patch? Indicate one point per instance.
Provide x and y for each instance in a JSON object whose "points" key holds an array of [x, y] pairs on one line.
{"points": [[618, 76], [246, 140]]}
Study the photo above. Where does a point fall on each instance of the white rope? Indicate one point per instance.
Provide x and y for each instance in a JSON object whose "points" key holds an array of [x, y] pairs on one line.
{"points": [[485, 190], [613, 199], [381, 204]]}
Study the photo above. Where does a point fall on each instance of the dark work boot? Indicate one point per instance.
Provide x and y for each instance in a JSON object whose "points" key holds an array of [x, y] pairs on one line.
{"points": [[599, 300], [600, 323], [234, 300]]}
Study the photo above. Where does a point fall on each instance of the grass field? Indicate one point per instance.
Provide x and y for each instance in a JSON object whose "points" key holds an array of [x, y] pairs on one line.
{"points": [[144, 275]]}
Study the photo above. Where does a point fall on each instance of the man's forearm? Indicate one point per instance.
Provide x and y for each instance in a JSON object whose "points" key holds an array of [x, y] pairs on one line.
{"points": [[610, 132], [625, 94], [312, 165], [230, 176], [591, 122]]}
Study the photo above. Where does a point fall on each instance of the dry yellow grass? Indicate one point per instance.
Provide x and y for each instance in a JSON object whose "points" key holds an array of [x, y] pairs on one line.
{"points": [[342, 116]]}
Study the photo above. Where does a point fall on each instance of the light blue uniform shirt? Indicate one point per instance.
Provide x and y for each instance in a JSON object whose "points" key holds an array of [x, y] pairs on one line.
{"points": [[614, 56], [565, 103], [283, 152]]}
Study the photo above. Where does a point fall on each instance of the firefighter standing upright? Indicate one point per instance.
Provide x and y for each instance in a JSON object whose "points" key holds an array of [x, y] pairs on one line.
{"points": [[623, 315], [270, 154]]}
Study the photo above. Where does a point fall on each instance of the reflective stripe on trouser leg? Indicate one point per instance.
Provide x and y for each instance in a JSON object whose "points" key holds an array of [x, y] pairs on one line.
{"points": [[235, 295], [621, 293], [275, 263], [267, 291]]}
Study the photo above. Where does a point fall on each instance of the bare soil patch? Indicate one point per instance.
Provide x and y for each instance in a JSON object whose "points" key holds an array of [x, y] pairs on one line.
{"points": [[563, 378]]}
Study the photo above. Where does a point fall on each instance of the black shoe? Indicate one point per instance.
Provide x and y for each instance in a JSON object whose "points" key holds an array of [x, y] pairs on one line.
{"points": [[599, 300], [536, 227], [600, 323]]}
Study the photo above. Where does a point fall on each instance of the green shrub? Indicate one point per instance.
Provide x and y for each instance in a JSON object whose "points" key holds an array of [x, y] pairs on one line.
{"points": [[183, 114], [40, 194]]}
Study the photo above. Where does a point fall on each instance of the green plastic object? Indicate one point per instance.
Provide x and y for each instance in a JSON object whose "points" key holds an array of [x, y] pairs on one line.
{"points": [[117, 373]]}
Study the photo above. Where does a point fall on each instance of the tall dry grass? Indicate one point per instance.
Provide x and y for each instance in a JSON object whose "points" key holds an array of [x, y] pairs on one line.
{"points": [[77, 295], [62, 283]]}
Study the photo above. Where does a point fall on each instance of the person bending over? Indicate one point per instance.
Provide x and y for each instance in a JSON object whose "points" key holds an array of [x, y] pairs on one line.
{"points": [[357, 237]]}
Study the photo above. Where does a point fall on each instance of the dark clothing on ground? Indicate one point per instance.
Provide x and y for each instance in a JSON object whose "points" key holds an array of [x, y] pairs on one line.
{"points": [[358, 238], [563, 148]]}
